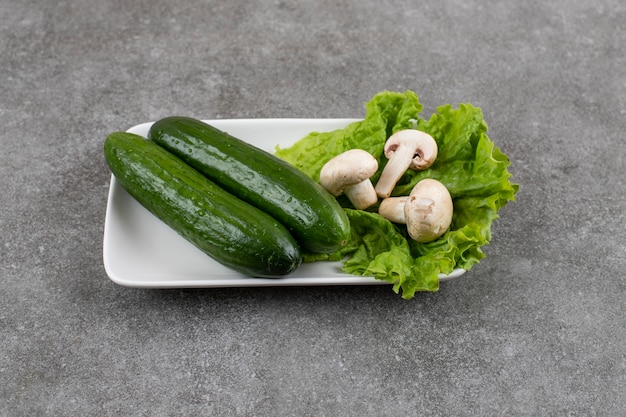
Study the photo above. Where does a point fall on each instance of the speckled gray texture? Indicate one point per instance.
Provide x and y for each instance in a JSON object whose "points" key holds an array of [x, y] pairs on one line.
{"points": [[536, 329]]}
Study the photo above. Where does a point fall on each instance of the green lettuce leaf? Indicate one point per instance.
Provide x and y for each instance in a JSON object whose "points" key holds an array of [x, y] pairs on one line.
{"points": [[469, 164]]}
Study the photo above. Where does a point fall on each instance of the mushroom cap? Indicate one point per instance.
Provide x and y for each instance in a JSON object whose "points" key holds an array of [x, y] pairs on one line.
{"points": [[424, 147], [428, 211], [346, 169]]}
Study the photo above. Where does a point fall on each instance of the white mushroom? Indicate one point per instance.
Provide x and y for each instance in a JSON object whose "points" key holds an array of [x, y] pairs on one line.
{"points": [[405, 149], [428, 211], [392, 208], [349, 173]]}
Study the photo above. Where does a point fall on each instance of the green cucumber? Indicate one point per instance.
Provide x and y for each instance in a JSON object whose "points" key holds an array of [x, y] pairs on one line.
{"points": [[310, 213], [231, 231]]}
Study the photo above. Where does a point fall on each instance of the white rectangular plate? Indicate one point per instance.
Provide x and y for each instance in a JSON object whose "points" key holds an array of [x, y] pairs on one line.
{"points": [[141, 251]]}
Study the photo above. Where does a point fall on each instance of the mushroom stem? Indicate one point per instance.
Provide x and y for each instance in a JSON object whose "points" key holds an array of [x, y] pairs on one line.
{"points": [[361, 195], [396, 167], [392, 209]]}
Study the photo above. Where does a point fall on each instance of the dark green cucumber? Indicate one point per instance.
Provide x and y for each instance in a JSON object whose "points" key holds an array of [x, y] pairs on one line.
{"points": [[309, 212], [231, 231]]}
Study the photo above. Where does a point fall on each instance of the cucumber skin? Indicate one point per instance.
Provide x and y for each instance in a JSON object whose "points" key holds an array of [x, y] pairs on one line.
{"points": [[224, 227], [310, 213]]}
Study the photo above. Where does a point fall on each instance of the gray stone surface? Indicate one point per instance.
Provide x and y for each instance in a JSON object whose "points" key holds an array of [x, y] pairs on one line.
{"points": [[537, 328]]}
